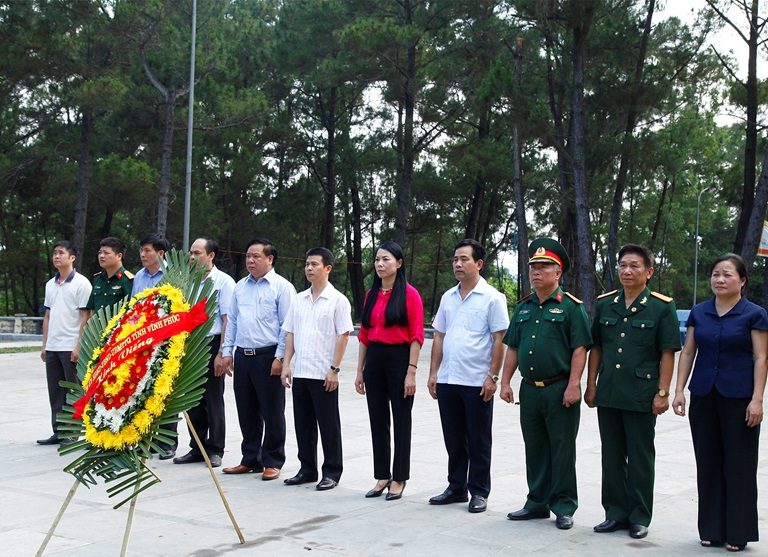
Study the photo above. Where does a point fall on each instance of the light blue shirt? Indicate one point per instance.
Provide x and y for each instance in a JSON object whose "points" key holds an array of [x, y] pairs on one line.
{"points": [[143, 280], [467, 325], [257, 312]]}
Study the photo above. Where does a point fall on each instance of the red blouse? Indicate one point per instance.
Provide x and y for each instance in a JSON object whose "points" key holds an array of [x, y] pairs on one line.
{"points": [[395, 334]]}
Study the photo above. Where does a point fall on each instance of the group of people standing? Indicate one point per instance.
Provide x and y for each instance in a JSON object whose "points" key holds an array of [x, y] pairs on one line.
{"points": [[272, 339]]}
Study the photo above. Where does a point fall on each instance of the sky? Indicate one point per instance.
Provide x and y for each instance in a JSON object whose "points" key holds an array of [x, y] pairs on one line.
{"points": [[726, 39]]}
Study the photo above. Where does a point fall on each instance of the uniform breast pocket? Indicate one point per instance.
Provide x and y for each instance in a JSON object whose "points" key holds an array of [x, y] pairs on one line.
{"points": [[643, 332], [522, 317], [554, 325]]}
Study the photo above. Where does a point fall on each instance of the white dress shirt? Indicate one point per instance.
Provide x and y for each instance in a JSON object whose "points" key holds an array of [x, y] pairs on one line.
{"points": [[225, 286], [467, 325], [315, 325]]}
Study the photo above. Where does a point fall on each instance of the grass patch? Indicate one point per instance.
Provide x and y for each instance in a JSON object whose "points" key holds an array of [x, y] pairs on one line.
{"points": [[19, 349]]}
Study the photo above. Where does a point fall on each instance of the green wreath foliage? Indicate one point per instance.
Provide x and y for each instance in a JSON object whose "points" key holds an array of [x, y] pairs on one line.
{"points": [[125, 472]]}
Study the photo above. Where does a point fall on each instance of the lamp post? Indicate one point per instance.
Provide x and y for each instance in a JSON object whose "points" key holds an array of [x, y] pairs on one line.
{"points": [[190, 119], [696, 244]]}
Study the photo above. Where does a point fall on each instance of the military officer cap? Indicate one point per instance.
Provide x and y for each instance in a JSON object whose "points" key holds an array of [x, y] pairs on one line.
{"points": [[547, 250]]}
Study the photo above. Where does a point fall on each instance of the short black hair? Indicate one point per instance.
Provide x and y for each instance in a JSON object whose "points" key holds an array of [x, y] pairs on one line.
{"points": [[211, 246], [324, 253], [269, 248], [738, 262], [117, 245], [158, 242], [478, 251], [67, 245], [637, 249]]}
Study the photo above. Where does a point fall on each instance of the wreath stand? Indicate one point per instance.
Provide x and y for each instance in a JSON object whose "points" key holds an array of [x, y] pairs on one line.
{"points": [[132, 507]]}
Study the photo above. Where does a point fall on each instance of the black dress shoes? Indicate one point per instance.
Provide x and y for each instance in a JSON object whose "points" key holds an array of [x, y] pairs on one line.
{"points": [[190, 457], [301, 478], [449, 496], [610, 526], [377, 492], [478, 504], [525, 514], [167, 451], [52, 440], [215, 460], [325, 484], [637, 531], [564, 522]]}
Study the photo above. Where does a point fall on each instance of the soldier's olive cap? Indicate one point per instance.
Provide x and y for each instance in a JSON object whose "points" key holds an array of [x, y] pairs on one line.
{"points": [[547, 250]]}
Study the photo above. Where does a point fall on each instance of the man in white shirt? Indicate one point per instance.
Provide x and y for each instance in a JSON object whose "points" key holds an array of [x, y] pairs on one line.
{"points": [[66, 298], [254, 338], [318, 328], [467, 353], [208, 416]]}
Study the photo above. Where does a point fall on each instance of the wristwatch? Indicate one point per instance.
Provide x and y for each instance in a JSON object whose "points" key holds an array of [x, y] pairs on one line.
{"points": [[494, 378], [663, 393], [280, 359], [335, 369]]}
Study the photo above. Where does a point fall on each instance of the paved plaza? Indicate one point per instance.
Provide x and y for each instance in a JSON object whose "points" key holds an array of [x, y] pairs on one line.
{"points": [[184, 515]]}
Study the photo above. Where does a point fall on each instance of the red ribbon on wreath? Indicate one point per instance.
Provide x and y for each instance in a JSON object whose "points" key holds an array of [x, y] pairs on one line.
{"points": [[117, 352]]}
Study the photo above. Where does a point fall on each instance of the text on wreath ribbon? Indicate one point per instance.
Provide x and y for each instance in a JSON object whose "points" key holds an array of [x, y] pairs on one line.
{"points": [[147, 336]]}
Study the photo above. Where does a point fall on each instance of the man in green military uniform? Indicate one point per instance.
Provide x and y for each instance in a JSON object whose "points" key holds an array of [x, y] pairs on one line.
{"points": [[113, 283], [635, 335], [548, 338]]}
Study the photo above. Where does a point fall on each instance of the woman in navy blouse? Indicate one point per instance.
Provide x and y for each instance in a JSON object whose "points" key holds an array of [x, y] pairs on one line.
{"points": [[729, 334]]}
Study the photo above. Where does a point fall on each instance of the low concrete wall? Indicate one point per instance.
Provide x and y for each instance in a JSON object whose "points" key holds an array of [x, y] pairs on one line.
{"points": [[21, 324]]}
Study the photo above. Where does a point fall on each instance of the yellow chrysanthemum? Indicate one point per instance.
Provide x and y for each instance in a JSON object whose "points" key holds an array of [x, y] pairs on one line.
{"points": [[154, 406]]}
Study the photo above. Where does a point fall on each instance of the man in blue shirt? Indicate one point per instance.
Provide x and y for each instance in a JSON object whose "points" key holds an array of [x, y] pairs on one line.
{"points": [[467, 352], [153, 248], [151, 252], [254, 336]]}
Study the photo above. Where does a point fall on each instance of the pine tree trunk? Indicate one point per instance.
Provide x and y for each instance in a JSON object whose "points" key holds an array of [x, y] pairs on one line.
{"points": [[81, 205]]}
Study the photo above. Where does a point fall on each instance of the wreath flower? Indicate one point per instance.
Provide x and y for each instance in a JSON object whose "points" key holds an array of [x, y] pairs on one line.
{"points": [[130, 397], [141, 363]]}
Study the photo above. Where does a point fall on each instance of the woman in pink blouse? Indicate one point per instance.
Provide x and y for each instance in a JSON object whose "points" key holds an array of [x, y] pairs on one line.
{"points": [[391, 336]]}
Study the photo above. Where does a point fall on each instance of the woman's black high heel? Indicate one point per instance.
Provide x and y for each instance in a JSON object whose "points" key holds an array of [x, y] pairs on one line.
{"points": [[377, 492], [392, 496]]}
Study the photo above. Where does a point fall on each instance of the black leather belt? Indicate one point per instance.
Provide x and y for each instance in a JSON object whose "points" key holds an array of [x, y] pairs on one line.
{"points": [[256, 351], [546, 382]]}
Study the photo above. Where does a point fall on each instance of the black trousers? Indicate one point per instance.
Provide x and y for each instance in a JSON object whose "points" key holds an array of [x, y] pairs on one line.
{"points": [[315, 408], [385, 368], [260, 400], [467, 421], [58, 367], [208, 416], [726, 467]]}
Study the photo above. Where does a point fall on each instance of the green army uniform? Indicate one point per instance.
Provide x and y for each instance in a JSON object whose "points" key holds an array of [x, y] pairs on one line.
{"points": [[109, 290], [545, 335], [631, 341]]}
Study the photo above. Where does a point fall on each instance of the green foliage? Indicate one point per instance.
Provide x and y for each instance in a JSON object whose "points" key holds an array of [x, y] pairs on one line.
{"points": [[280, 83]]}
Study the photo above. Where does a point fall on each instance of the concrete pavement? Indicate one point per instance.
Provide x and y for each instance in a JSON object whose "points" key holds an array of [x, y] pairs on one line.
{"points": [[183, 515]]}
